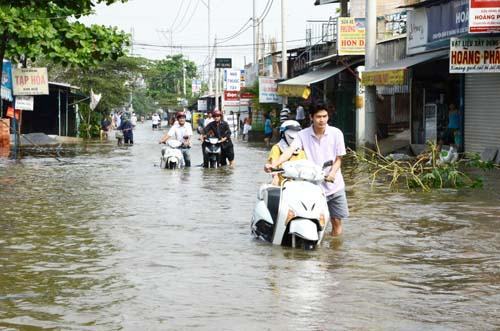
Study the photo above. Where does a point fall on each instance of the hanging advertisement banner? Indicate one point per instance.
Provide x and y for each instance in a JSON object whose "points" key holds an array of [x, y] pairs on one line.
{"points": [[484, 16], [25, 102], [268, 90], [6, 86], [351, 36], [387, 77], [232, 80], [30, 81], [474, 55]]}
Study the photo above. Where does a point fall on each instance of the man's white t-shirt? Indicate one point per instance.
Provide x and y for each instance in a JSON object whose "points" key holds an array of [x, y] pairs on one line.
{"points": [[208, 121], [155, 119], [178, 132]]}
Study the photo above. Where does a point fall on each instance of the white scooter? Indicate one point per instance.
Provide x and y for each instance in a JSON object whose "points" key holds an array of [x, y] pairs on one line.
{"points": [[171, 155], [295, 214], [213, 150]]}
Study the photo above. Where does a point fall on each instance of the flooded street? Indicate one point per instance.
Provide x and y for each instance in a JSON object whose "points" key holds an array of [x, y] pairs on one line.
{"points": [[106, 240]]}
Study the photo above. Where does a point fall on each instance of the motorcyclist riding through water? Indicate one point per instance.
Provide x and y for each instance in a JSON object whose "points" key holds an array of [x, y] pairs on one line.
{"points": [[288, 132], [220, 129], [181, 131]]}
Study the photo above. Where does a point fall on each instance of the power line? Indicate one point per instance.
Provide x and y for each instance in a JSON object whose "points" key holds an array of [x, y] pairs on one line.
{"points": [[237, 33], [190, 18], [205, 46], [183, 16], [177, 15]]}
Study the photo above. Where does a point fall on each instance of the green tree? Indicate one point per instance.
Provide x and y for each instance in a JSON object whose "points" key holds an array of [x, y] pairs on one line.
{"points": [[32, 28], [165, 79], [117, 81]]}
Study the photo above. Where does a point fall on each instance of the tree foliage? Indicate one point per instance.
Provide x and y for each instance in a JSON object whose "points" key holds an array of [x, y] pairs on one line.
{"points": [[165, 79], [32, 28], [116, 80]]}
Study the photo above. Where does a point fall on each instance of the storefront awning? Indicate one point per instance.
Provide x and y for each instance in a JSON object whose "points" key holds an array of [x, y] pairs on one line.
{"points": [[299, 86], [394, 73]]}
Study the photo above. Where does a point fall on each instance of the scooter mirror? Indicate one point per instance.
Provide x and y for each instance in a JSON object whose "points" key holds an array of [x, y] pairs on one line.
{"points": [[327, 164]]}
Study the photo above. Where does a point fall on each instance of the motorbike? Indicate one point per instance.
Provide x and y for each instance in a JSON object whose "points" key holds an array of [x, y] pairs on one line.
{"points": [[213, 150], [296, 213], [171, 155]]}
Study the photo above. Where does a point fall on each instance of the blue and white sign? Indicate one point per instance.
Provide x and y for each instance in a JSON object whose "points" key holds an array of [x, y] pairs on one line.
{"points": [[432, 27], [268, 90], [232, 80], [6, 89]]}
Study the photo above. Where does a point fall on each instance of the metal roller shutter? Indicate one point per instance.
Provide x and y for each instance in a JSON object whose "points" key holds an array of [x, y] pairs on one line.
{"points": [[482, 112]]}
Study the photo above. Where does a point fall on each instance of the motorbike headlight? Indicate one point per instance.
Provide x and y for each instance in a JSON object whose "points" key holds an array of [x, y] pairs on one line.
{"points": [[322, 221], [290, 216]]}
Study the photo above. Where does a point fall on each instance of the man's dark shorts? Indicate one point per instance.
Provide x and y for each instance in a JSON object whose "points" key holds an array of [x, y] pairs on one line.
{"points": [[337, 205]]}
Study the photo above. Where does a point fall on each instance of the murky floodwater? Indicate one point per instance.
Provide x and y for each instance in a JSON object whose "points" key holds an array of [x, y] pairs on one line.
{"points": [[105, 240]]}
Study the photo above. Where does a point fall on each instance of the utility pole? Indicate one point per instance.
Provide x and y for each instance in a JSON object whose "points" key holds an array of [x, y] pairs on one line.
{"points": [[284, 58], [184, 79], [217, 74], [209, 55], [343, 8], [254, 23], [370, 53]]}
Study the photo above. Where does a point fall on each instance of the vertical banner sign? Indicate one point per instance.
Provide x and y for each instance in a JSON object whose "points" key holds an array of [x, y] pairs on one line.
{"points": [[30, 81], [268, 90], [231, 101], [232, 80], [196, 86], [242, 78], [351, 36], [484, 16], [474, 55], [6, 88]]}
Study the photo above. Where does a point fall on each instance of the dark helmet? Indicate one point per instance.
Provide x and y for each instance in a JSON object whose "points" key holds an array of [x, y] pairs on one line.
{"points": [[180, 114]]}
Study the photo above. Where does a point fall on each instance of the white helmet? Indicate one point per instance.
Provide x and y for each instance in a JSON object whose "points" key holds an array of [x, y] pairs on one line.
{"points": [[289, 130]]}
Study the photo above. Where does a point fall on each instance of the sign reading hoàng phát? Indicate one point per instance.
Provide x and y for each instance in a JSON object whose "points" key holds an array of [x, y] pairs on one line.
{"points": [[474, 55], [30, 81], [351, 36], [388, 77]]}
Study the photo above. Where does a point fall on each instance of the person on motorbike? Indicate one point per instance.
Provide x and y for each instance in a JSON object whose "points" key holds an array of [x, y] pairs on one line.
{"points": [[182, 131], [323, 143], [220, 129], [289, 130]]}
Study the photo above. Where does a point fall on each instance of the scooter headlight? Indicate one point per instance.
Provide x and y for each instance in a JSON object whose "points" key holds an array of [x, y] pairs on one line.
{"points": [[290, 216], [322, 221]]}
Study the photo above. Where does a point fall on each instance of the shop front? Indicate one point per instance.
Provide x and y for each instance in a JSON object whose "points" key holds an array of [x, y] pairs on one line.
{"points": [[418, 89], [333, 84], [477, 59]]}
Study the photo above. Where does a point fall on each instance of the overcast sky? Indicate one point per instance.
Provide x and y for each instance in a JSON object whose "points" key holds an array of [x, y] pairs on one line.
{"points": [[150, 20]]}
